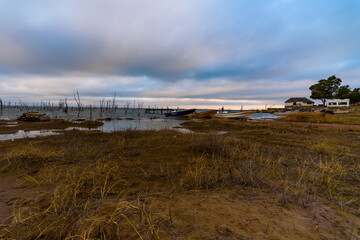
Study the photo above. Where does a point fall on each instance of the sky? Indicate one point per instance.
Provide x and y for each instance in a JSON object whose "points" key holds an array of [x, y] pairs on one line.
{"points": [[188, 53]]}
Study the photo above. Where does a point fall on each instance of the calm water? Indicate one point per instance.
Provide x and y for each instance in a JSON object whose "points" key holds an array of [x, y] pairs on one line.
{"points": [[27, 134], [133, 119], [109, 126], [136, 124], [14, 113]]}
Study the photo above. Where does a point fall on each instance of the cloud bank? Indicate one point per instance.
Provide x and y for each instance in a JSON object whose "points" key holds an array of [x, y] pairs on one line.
{"points": [[256, 51]]}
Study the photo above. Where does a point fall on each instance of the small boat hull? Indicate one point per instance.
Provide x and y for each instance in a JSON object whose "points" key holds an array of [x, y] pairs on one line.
{"points": [[282, 113], [236, 115], [206, 114], [181, 113]]}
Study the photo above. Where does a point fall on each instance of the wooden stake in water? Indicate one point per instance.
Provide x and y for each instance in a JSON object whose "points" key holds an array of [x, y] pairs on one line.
{"points": [[1, 106], [90, 112]]}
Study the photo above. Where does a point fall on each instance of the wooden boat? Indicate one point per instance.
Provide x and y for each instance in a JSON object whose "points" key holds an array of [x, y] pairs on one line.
{"points": [[236, 115], [34, 117], [206, 114], [338, 111], [283, 113], [181, 113]]}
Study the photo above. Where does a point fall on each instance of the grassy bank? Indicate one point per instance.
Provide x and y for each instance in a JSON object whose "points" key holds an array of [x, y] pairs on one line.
{"points": [[256, 181], [353, 117], [53, 124]]}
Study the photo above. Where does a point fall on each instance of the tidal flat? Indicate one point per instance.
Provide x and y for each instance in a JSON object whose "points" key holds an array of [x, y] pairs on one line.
{"points": [[262, 180]]}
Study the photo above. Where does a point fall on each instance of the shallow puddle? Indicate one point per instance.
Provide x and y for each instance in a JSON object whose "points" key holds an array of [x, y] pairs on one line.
{"points": [[109, 126], [264, 116], [27, 134], [140, 124], [11, 124]]}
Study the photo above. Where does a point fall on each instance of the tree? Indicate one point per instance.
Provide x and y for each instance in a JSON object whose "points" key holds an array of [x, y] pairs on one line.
{"points": [[343, 92], [355, 96], [325, 88]]}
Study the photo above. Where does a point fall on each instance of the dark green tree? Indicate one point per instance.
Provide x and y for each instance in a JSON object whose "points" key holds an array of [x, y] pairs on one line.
{"points": [[343, 92], [355, 96], [325, 88]]}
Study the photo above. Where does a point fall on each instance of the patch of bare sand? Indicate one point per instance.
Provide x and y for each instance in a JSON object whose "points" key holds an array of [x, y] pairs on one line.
{"points": [[10, 192], [257, 216], [227, 215]]}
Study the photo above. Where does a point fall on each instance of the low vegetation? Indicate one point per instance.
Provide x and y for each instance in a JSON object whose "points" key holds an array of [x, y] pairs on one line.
{"points": [[53, 124], [255, 180], [353, 117]]}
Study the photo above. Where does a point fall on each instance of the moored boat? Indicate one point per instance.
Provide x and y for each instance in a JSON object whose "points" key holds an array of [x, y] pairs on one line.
{"points": [[206, 114], [236, 115], [180, 113]]}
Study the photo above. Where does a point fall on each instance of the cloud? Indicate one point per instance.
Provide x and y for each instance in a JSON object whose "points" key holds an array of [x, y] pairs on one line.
{"points": [[184, 49], [205, 93]]}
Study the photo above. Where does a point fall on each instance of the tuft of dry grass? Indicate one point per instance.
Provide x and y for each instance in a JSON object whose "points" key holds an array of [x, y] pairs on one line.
{"points": [[352, 117], [313, 117], [53, 124], [91, 185]]}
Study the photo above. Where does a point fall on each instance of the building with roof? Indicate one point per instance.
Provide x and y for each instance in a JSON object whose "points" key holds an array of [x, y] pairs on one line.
{"points": [[337, 102], [298, 102]]}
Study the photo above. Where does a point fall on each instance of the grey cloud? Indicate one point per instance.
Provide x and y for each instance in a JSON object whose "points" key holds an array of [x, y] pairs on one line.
{"points": [[197, 49], [164, 40]]}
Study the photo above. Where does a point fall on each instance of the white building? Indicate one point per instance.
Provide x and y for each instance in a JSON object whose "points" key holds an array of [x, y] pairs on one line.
{"points": [[337, 102], [298, 102]]}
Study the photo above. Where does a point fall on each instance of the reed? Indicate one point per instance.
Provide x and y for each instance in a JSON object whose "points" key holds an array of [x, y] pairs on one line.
{"points": [[1, 106], [90, 185], [353, 117]]}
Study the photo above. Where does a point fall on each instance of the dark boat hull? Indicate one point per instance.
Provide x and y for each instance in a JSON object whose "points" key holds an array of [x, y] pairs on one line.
{"points": [[206, 114], [182, 113]]}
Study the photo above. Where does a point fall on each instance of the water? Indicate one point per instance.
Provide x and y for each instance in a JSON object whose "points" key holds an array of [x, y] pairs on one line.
{"points": [[264, 116], [27, 134], [109, 126], [72, 114], [138, 123]]}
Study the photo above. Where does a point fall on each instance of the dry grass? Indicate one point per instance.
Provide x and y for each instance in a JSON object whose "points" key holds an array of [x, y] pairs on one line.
{"points": [[53, 124], [98, 186], [317, 117], [352, 117]]}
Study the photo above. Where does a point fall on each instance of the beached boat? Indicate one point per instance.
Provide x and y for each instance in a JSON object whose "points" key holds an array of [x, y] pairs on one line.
{"points": [[34, 117], [206, 114], [236, 115], [283, 113], [338, 111], [181, 113]]}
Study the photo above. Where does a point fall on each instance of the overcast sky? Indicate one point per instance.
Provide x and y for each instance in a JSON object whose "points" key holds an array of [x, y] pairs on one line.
{"points": [[202, 53]]}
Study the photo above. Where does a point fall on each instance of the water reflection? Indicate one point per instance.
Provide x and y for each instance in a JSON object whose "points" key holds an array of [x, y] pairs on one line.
{"points": [[109, 126], [119, 125], [140, 124], [27, 134]]}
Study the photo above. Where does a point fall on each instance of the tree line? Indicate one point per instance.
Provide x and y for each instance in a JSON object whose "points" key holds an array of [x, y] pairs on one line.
{"points": [[331, 88]]}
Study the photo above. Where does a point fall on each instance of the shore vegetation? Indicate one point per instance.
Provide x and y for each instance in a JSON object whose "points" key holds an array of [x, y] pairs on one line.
{"points": [[228, 179]]}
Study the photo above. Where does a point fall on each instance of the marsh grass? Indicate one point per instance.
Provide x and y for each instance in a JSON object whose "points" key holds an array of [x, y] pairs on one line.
{"points": [[53, 124], [352, 117], [317, 117], [95, 185]]}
